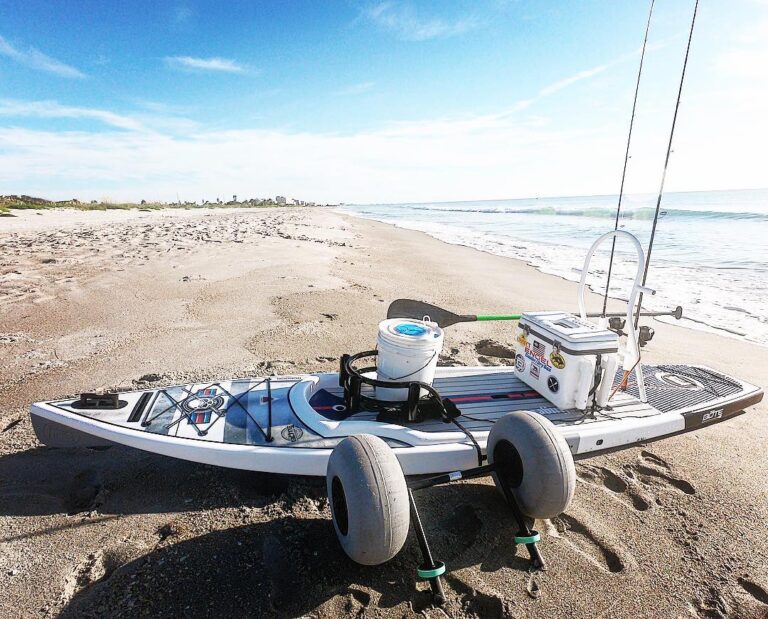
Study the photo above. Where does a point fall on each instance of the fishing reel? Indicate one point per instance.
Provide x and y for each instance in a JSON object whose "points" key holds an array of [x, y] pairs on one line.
{"points": [[617, 323], [645, 333]]}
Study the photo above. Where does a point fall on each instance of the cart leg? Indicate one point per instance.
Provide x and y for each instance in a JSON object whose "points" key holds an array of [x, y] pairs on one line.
{"points": [[430, 570], [525, 535]]}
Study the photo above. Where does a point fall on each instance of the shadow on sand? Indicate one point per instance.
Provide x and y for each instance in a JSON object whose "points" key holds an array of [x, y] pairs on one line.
{"points": [[119, 481], [287, 566], [291, 567]]}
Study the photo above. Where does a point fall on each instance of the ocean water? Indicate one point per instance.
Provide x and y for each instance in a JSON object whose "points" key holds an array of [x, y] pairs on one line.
{"points": [[710, 254]]}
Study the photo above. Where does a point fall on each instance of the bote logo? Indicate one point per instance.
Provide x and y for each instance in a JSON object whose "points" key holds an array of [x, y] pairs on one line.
{"points": [[292, 433]]}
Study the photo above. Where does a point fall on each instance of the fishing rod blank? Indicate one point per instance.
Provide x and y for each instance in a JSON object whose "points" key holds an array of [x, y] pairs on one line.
{"points": [[666, 162], [626, 158]]}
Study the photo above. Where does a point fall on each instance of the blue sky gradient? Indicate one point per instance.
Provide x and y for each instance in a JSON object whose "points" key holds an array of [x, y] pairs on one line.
{"points": [[373, 101]]}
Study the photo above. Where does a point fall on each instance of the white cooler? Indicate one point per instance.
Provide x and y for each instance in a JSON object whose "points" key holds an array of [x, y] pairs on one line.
{"points": [[556, 354]]}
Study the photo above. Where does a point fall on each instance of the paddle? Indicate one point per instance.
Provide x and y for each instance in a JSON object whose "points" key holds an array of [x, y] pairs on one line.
{"points": [[409, 308]]}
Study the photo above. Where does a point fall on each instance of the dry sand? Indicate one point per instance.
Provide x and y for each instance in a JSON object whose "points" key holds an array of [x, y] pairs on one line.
{"points": [[94, 301]]}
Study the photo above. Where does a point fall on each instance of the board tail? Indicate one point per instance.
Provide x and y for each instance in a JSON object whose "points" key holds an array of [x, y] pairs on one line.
{"points": [[54, 434]]}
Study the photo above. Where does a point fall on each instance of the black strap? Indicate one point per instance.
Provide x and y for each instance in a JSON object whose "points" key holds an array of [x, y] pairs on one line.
{"points": [[468, 434]]}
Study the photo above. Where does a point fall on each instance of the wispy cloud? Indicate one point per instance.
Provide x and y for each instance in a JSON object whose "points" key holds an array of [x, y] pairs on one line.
{"points": [[566, 82], [356, 89], [51, 109], [405, 22], [572, 79], [190, 63], [481, 156], [182, 14], [508, 153], [35, 59]]}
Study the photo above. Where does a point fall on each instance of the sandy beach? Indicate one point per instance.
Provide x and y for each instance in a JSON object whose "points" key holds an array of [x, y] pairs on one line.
{"points": [[94, 301]]}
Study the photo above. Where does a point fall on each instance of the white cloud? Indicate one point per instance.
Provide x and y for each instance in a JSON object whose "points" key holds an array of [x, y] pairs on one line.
{"points": [[433, 160], [492, 155], [36, 59], [568, 81], [510, 153], [222, 65], [51, 109], [403, 20], [438, 161], [550, 89], [152, 116]]}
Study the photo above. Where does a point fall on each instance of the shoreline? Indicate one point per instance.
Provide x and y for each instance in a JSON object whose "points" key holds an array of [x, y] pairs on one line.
{"points": [[693, 324], [161, 299]]}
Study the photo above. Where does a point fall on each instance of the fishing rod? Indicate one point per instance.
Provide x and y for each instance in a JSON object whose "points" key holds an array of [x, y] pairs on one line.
{"points": [[626, 157], [666, 163]]}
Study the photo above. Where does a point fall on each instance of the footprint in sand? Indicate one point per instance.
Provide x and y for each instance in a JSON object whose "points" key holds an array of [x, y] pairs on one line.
{"points": [[711, 606], [590, 544], [279, 570], [654, 459], [755, 590], [87, 572], [492, 348], [476, 603], [654, 472], [86, 492], [619, 487]]}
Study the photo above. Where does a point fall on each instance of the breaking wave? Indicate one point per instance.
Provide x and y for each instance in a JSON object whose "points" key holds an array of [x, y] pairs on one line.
{"points": [[641, 213]]}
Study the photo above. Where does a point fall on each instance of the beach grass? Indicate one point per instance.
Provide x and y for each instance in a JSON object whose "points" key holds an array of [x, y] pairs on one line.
{"points": [[9, 203]]}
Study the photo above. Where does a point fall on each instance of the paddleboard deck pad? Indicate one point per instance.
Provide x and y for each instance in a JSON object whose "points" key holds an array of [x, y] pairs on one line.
{"points": [[290, 424]]}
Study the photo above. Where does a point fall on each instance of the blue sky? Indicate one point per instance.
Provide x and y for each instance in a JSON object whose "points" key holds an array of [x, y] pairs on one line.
{"points": [[374, 101]]}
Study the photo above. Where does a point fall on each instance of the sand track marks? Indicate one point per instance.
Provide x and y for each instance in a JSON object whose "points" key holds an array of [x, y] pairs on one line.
{"points": [[655, 473], [638, 485], [586, 541], [617, 485], [755, 590], [474, 602]]}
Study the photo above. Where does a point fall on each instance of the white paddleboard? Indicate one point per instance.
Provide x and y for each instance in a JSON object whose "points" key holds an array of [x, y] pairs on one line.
{"points": [[290, 424]]}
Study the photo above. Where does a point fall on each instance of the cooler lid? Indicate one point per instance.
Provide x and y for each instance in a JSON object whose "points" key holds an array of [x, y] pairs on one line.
{"points": [[566, 327]]}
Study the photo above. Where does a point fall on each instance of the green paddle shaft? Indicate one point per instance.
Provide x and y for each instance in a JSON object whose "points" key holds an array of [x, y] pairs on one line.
{"points": [[498, 316]]}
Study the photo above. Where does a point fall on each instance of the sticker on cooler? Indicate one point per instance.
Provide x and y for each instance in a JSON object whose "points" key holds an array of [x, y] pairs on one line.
{"points": [[536, 354], [557, 360]]}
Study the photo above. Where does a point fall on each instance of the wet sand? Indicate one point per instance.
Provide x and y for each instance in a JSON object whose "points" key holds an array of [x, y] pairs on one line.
{"points": [[92, 301]]}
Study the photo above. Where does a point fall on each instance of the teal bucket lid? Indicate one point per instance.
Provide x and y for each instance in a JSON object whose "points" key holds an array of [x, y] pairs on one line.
{"points": [[408, 328]]}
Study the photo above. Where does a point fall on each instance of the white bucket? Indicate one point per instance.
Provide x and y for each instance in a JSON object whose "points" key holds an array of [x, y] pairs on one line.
{"points": [[408, 351]]}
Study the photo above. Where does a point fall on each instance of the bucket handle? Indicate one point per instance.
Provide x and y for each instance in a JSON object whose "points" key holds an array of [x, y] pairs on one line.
{"points": [[434, 354]]}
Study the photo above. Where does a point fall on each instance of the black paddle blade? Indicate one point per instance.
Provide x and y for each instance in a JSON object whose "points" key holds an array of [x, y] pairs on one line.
{"points": [[408, 308]]}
